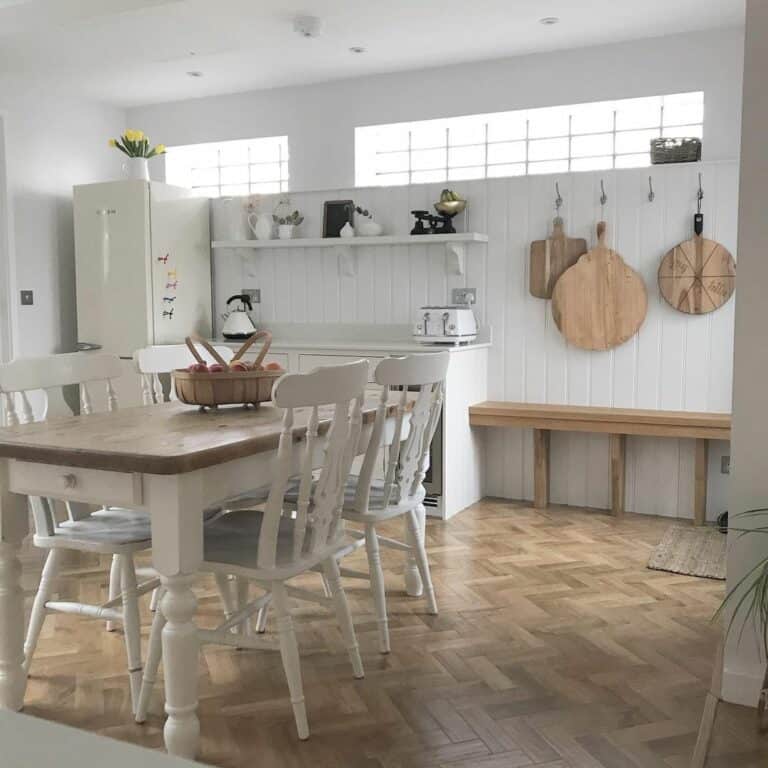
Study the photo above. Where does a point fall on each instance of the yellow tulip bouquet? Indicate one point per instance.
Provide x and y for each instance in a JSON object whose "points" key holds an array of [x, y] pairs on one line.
{"points": [[136, 144]]}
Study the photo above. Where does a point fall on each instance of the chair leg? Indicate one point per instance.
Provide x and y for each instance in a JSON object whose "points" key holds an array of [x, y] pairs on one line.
{"points": [[154, 601], [289, 651], [420, 553], [243, 590], [47, 581], [114, 586], [154, 654], [378, 589], [413, 585], [343, 616], [131, 627], [261, 618]]}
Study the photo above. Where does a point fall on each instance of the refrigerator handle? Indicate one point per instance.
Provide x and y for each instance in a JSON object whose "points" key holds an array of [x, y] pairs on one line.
{"points": [[87, 346]]}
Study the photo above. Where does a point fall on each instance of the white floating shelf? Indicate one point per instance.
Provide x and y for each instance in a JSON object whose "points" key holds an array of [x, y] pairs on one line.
{"points": [[455, 246]]}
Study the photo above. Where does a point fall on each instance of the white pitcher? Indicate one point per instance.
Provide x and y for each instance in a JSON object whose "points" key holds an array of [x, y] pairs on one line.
{"points": [[262, 227]]}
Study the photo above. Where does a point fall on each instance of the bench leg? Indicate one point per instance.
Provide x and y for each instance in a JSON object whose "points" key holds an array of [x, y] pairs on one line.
{"points": [[540, 468], [700, 482], [618, 449]]}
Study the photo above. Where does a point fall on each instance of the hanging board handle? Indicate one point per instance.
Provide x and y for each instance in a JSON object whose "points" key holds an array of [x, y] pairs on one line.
{"points": [[698, 223]]}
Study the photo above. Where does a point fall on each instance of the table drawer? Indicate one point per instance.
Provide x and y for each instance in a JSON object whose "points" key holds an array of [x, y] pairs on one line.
{"points": [[309, 362], [94, 486]]}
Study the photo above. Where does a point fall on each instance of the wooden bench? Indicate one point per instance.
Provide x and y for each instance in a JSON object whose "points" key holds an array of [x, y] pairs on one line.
{"points": [[616, 422]]}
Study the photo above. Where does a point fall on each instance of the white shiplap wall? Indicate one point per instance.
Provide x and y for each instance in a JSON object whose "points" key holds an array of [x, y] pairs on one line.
{"points": [[675, 362]]}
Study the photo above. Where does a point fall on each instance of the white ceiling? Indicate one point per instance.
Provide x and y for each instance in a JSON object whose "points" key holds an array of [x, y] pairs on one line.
{"points": [[130, 52]]}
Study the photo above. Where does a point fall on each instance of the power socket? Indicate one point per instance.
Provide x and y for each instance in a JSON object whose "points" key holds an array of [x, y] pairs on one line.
{"points": [[464, 296], [254, 294]]}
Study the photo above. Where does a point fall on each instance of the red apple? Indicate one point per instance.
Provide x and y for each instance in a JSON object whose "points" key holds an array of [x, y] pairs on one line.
{"points": [[274, 367], [198, 368], [239, 365], [216, 368]]}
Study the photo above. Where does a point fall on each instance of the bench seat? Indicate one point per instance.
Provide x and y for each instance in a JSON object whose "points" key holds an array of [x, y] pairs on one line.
{"points": [[617, 423]]}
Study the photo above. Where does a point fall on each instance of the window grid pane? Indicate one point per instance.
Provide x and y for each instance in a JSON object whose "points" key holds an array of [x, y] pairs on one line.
{"points": [[221, 169], [608, 134]]}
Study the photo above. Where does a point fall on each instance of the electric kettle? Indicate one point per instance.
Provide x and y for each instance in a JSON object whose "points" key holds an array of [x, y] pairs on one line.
{"points": [[237, 323]]}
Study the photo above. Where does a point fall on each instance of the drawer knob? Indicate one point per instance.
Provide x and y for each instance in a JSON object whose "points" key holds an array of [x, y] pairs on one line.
{"points": [[70, 481]]}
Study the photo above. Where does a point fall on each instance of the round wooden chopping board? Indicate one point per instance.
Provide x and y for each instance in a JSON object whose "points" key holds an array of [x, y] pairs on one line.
{"points": [[697, 276], [600, 301]]}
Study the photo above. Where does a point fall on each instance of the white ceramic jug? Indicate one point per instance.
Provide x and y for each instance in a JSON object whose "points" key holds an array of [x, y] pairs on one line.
{"points": [[261, 225]]}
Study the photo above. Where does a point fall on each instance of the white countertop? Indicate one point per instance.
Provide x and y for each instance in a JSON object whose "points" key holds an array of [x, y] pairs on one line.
{"points": [[347, 337]]}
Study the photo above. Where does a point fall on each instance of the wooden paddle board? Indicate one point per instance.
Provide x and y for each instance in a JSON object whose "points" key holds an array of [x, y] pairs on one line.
{"points": [[551, 257], [600, 302], [698, 275]]}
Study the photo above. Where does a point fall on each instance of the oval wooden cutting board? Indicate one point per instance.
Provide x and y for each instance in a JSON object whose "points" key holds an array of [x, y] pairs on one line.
{"points": [[600, 301], [697, 276]]}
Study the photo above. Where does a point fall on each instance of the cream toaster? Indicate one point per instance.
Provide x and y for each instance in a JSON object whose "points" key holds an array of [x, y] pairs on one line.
{"points": [[451, 324]]}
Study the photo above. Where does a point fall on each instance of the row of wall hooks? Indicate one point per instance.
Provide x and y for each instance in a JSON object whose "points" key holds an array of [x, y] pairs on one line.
{"points": [[604, 196]]}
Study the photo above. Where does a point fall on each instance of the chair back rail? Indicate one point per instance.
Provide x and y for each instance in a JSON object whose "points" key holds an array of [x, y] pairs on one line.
{"points": [[50, 375], [407, 458], [151, 362], [321, 494]]}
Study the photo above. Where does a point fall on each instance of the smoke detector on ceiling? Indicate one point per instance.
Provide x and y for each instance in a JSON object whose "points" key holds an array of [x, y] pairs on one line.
{"points": [[307, 26]]}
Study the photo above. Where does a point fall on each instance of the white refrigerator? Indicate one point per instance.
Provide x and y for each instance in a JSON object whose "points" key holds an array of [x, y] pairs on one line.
{"points": [[143, 271], [143, 265]]}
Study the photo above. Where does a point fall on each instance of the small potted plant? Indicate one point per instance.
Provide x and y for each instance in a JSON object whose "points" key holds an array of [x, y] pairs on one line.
{"points": [[135, 145], [286, 225]]}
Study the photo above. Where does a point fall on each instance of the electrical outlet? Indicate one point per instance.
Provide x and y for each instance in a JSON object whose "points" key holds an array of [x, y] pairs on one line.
{"points": [[725, 465], [254, 294], [464, 296], [27, 298]]}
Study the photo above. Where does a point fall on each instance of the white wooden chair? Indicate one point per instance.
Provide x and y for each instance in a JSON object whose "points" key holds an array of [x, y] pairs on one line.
{"points": [[400, 493], [120, 533], [271, 547]]}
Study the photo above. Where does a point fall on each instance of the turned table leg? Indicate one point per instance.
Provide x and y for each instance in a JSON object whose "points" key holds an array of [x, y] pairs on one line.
{"points": [[14, 526], [541, 468], [700, 481], [177, 550], [618, 447]]}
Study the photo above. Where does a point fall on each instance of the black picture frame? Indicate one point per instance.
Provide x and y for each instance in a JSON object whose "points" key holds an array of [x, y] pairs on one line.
{"points": [[336, 213]]}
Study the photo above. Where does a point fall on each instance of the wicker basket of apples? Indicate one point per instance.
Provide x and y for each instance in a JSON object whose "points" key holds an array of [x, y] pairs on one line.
{"points": [[220, 383]]}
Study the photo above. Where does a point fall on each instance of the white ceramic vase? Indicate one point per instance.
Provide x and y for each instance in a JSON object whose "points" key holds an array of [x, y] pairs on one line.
{"points": [[136, 168], [285, 231], [261, 225]]}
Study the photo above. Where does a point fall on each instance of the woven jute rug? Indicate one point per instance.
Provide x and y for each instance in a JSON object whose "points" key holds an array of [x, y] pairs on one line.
{"points": [[691, 551]]}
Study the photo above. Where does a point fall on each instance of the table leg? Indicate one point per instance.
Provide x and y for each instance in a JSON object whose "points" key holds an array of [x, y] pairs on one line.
{"points": [[14, 526], [177, 551], [540, 468], [618, 447], [700, 481]]}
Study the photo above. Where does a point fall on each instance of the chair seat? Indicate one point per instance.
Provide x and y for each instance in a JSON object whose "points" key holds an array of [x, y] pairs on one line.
{"points": [[103, 531], [232, 541]]}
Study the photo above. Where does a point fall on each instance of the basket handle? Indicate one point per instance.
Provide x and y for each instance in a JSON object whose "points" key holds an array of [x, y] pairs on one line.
{"points": [[195, 339], [267, 336]]}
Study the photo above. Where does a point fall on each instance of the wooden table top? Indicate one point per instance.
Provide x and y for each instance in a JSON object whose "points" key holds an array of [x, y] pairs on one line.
{"points": [[166, 439]]}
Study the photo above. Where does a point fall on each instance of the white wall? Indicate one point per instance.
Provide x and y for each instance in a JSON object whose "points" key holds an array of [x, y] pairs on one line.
{"points": [[52, 142], [743, 665], [675, 362], [320, 119]]}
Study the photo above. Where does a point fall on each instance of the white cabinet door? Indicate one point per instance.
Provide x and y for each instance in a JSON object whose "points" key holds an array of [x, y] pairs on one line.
{"points": [[111, 260]]}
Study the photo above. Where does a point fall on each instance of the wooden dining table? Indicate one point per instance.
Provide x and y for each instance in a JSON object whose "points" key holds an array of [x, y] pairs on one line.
{"points": [[170, 460]]}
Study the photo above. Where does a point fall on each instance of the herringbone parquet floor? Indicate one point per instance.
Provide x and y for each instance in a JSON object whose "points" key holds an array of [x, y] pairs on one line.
{"points": [[554, 647]]}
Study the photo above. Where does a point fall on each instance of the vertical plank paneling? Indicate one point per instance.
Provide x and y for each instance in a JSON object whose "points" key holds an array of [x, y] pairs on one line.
{"points": [[675, 361]]}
